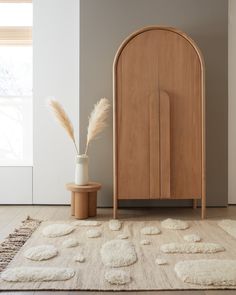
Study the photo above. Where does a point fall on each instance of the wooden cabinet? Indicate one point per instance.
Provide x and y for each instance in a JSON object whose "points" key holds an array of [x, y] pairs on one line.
{"points": [[159, 144]]}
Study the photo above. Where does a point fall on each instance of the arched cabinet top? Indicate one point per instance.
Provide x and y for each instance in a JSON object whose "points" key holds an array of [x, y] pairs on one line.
{"points": [[159, 117], [170, 29]]}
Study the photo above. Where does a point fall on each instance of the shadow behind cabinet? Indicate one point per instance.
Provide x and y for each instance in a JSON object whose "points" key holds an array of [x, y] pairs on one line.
{"points": [[159, 128]]}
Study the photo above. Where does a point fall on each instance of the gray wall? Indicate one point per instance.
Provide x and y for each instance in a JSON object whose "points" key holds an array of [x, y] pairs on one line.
{"points": [[232, 102], [104, 25]]}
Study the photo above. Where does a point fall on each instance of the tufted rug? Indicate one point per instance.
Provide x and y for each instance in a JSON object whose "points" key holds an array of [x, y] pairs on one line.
{"points": [[82, 264]]}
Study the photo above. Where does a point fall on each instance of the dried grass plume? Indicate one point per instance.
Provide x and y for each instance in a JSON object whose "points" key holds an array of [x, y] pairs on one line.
{"points": [[63, 120], [97, 120]]}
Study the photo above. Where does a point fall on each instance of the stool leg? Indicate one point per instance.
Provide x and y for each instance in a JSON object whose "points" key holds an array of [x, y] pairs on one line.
{"points": [[92, 204], [194, 203], [81, 205], [72, 204]]}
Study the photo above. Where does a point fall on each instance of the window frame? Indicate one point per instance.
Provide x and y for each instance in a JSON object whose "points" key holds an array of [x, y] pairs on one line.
{"points": [[15, 1], [15, 35]]}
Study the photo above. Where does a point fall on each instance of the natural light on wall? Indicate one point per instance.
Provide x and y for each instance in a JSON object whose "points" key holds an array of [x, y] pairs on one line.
{"points": [[16, 144]]}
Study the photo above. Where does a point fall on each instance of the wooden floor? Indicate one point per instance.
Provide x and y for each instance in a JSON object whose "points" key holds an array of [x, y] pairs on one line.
{"points": [[11, 216]]}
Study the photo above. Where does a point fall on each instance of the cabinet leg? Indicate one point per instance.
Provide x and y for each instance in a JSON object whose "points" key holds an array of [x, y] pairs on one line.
{"points": [[81, 205], [203, 208], [194, 203], [115, 205], [72, 205], [92, 211]]}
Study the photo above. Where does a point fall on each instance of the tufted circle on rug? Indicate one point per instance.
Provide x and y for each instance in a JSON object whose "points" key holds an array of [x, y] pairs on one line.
{"points": [[117, 277], [37, 274], [93, 233], [42, 252], [57, 230], [118, 253], [215, 272], [115, 224], [150, 230], [175, 224], [79, 257], [86, 223], [69, 243], [192, 248]]}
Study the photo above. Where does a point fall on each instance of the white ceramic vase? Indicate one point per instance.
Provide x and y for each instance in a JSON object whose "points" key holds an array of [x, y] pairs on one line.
{"points": [[81, 170]]}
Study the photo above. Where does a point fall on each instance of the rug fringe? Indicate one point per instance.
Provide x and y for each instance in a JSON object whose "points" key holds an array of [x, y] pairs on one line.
{"points": [[14, 241]]}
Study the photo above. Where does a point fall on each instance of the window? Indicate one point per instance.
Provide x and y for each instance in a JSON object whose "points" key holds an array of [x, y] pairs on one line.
{"points": [[16, 83]]}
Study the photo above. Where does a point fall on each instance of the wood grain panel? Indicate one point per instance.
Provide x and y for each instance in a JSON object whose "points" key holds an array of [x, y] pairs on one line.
{"points": [[165, 144], [137, 83], [180, 75]]}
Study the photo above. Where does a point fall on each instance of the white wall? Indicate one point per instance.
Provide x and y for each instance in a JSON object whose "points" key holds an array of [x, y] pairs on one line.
{"points": [[56, 69], [16, 185], [232, 103]]}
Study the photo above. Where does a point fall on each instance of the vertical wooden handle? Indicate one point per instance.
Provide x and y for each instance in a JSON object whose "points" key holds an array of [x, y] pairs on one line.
{"points": [[154, 137], [165, 144]]}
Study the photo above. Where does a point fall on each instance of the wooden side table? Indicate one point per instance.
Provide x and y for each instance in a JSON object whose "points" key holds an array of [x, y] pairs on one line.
{"points": [[83, 199]]}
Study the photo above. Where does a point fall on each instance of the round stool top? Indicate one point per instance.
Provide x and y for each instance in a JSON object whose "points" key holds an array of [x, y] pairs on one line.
{"points": [[90, 187]]}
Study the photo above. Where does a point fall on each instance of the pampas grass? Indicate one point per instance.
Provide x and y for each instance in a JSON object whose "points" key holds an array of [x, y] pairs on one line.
{"points": [[63, 120], [97, 120]]}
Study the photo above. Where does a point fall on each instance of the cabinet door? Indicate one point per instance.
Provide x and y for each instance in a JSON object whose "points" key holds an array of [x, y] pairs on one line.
{"points": [[137, 119], [180, 76]]}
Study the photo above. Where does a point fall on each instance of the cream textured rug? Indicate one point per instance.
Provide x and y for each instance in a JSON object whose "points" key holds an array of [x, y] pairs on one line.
{"points": [[85, 259], [229, 226]]}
